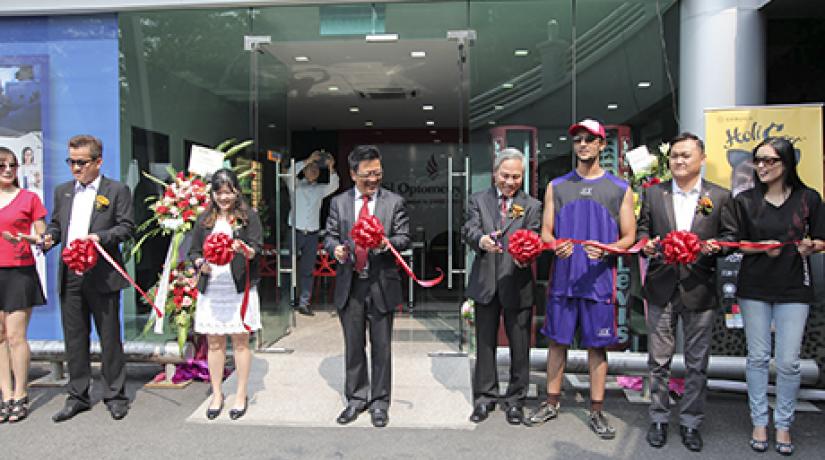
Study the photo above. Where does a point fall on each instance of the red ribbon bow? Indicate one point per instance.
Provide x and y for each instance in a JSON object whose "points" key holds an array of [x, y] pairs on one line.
{"points": [[681, 247], [80, 256], [217, 249], [525, 246]]}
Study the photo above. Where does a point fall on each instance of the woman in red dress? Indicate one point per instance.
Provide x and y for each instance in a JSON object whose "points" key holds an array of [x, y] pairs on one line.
{"points": [[20, 287]]}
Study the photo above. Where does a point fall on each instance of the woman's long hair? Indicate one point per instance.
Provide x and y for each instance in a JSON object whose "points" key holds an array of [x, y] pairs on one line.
{"points": [[6, 152], [239, 211], [787, 156]]}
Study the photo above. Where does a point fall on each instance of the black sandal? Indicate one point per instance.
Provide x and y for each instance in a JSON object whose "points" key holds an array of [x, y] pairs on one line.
{"points": [[759, 446], [19, 409], [785, 448], [4, 410]]}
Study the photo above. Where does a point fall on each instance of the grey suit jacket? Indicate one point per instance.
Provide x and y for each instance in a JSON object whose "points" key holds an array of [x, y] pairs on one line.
{"points": [[383, 272], [492, 272], [693, 285], [113, 223]]}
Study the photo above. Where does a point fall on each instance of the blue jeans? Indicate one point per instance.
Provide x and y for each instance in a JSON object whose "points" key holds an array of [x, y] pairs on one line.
{"points": [[789, 322]]}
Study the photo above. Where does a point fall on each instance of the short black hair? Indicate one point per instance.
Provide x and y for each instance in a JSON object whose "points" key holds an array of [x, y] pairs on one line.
{"points": [[688, 136], [362, 153]]}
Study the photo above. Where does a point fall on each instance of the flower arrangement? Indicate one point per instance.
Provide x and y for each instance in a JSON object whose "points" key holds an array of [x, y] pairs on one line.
{"points": [[181, 299], [182, 202], [647, 169], [468, 312]]}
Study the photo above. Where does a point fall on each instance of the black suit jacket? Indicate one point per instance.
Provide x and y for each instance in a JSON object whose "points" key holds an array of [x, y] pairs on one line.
{"points": [[492, 272], [251, 234], [390, 210], [694, 284], [113, 223]]}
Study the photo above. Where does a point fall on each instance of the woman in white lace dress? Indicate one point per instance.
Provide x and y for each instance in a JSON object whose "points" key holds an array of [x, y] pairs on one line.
{"points": [[222, 288]]}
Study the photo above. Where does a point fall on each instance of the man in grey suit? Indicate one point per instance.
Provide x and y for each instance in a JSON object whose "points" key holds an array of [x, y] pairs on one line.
{"points": [[681, 291], [367, 285], [96, 208], [500, 286]]}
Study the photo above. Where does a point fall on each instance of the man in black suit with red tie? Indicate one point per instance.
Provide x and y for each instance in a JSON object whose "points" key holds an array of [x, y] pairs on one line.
{"points": [[687, 203], [96, 208], [367, 285]]}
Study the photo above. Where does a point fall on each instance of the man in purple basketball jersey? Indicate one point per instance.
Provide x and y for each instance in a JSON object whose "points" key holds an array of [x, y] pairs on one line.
{"points": [[587, 204]]}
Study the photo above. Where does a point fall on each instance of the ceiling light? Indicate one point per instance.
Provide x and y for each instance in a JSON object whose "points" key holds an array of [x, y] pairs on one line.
{"points": [[418, 54], [432, 131], [521, 52], [643, 84], [426, 107], [548, 145], [272, 125], [368, 123], [354, 109], [333, 88], [430, 123], [491, 122], [301, 59], [507, 85], [382, 38], [436, 141], [612, 106], [562, 138], [498, 107]]}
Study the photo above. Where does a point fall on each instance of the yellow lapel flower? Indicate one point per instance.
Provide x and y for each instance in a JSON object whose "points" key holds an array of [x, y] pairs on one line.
{"points": [[704, 206], [101, 202], [516, 211]]}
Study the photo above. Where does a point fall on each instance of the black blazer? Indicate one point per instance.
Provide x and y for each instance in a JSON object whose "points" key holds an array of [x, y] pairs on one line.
{"points": [[251, 234], [390, 210], [113, 223], [491, 272], [694, 284]]}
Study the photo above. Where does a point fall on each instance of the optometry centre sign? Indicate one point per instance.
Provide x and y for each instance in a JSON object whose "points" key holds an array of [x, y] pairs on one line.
{"points": [[732, 133]]}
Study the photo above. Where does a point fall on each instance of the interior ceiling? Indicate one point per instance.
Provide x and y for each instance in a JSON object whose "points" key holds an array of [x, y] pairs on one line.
{"points": [[386, 84]]}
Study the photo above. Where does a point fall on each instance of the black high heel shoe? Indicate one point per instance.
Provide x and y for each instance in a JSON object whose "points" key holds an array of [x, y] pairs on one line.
{"points": [[212, 414], [235, 414]]}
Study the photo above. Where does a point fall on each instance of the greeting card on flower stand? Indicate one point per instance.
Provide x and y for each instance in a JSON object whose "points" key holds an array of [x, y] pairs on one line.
{"points": [[204, 161]]}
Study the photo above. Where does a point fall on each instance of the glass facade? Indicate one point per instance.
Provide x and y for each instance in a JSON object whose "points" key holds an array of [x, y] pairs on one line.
{"points": [[460, 80]]}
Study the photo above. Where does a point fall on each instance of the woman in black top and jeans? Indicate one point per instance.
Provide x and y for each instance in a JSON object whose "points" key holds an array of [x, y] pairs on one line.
{"points": [[775, 284]]}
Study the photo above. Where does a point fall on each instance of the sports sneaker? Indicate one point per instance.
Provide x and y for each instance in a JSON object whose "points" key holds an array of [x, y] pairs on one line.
{"points": [[544, 413], [600, 426]]}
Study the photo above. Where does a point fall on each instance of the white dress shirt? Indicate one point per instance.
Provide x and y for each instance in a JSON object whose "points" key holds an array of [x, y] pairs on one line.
{"points": [[308, 200], [82, 206], [684, 205], [360, 202]]}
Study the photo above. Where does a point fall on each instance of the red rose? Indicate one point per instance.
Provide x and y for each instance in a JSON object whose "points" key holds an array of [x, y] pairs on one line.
{"points": [[169, 193], [180, 175], [183, 204], [162, 209], [198, 183], [188, 214]]}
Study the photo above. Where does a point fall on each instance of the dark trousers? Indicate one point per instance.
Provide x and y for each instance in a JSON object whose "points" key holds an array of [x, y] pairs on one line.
{"points": [[79, 303], [360, 312], [517, 327], [698, 327], [306, 247]]}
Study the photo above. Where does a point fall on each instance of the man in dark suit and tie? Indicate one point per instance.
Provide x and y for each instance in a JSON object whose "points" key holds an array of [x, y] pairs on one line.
{"points": [[367, 285], [499, 286], [96, 208], [681, 291]]}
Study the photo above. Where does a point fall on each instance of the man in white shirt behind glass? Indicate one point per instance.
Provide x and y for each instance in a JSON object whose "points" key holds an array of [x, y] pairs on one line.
{"points": [[309, 196]]}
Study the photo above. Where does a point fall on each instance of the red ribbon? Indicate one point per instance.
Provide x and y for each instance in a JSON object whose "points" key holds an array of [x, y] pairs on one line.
{"points": [[526, 245], [80, 256], [122, 272], [681, 247], [368, 232], [217, 250]]}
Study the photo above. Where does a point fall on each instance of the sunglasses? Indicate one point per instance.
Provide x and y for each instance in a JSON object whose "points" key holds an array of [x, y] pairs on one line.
{"points": [[71, 162], [4, 166], [767, 161], [587, 138], [376, 174]]}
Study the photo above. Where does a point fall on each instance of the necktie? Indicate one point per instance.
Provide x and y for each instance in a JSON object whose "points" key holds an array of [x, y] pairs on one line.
{"points": [[361, 252], [503, 210]]}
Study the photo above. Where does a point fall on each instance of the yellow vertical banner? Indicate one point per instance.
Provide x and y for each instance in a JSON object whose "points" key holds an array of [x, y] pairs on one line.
{"points": [[732, 133]]}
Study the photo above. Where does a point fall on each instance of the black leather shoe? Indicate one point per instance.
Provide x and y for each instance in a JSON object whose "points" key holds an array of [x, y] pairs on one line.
{"points": [[235, 414], [212, 414], [71, 409], [304, 310], [118, 410], [482, 411], [348, 415], [380, 418], [691, 438], [515, 415], [657, 434]]}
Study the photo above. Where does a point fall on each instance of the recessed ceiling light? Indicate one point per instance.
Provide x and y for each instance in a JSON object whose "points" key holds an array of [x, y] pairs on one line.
{"points": [[521, 52], [548, 145], [427, 107], [301, 59], [562, 138], [498, 107], [382, 38], [432, 131], [436, 141], [418, 54], [272, 125], [612, 106], [333, 88], [430, 123], [368, 123], [354, 109], [507, 85], [643, 84], [491, 122]]}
